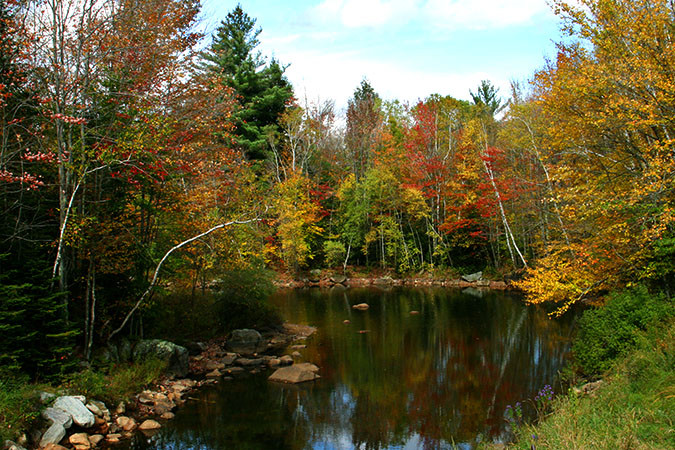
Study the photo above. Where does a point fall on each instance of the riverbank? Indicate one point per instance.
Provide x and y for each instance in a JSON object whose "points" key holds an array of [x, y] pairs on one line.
{"points": [[131, 396], [633, 407], [360, 278]]}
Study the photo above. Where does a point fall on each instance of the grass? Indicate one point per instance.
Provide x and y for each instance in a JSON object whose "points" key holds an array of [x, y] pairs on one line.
{"points": [[633, 409], [20, 405]]}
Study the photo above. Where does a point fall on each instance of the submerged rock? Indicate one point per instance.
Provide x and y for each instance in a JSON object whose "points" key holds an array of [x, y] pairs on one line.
{"points": [[297, 373]]}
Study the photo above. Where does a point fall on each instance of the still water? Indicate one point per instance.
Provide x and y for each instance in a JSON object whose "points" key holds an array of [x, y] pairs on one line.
{"points": [[439, 378]]}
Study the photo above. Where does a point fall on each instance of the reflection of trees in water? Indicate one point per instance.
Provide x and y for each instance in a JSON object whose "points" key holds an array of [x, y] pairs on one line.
{"points": [[446, 374], [443, 376]]}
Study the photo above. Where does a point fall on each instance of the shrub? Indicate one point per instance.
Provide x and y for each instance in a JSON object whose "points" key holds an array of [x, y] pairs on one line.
{"points": [[241, 301], [611, 331], [335, 253]]}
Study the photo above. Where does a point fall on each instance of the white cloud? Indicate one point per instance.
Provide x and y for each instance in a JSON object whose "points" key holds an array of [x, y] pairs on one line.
{"points": [[366, 13], [484, 14], [450, 14], [321, 76]]}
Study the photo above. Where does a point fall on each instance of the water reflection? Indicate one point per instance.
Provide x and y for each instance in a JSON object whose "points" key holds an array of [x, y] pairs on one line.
{"points": [[438, 379]]}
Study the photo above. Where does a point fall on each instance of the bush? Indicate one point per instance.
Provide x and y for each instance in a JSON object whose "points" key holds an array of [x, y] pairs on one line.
{"points": [[335, 253], [611, 331], [241, 301]]}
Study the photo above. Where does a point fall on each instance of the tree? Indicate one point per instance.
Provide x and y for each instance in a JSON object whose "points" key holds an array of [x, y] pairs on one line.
{"points": [[363, 126], [262, 89]]}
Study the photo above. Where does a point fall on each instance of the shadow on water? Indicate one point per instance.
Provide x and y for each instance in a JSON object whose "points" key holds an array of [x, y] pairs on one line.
{"points": [[438, 378]]}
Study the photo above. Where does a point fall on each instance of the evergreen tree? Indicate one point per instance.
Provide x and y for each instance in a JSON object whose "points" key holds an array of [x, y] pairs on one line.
{"points": [[261, 89]]}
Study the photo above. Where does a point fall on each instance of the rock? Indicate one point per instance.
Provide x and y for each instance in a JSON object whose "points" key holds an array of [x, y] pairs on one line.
{"points": [[195, 348], [57, 415], [338, 279], [53, 435], [384, 281], [146, 397], [286, 360], [414, 313], [81, 398], [46, 397], [149, 425], [315, 275], [121, 408], [471, 278], [297, 373], [54, 447], [168, 416], [9, 445], [298, 346], [113, 438], [246, 342], [274, 362], [124, 350], [483, 283], [95, 410], [245, 362], [95, 439], [163, 406], [228, 359], [296, 354], [126, 423], [74, 406], [364, 331], [80, 441], [214, 374], [361, 306], [346, 321], [235, 371], [101, 426], [176, 356], [212, 365]]}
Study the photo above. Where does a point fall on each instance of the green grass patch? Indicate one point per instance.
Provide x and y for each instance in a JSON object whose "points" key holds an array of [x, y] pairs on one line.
{"points": [[19, 406], [633, 409], [118, 382]]}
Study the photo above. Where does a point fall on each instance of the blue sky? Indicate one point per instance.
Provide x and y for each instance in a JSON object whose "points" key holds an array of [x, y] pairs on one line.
{"points": [[407, 49]]}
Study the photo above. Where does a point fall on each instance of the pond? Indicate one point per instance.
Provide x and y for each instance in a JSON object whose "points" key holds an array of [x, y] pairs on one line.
{"points": [[421, 368]]}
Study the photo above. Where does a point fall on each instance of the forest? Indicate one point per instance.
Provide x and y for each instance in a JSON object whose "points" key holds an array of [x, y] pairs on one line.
{"points": [[138, 155]]}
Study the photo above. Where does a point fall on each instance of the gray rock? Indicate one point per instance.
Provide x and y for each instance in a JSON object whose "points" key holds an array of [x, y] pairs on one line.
{"points": [[46, 397], [297, 373], [124, 350], [246, 342], [57, 415], [228, 360], [74, 406], [94, 409], [195, 348], [245, 362], [339, 279], [176, 357], [53, 435], [473, 277]]}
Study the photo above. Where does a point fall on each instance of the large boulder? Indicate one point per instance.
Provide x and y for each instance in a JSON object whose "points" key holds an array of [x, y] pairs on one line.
{"points": [[471, 278], [297, 373], [246, 342], [74, 407], [175, 356], [56, 415]]}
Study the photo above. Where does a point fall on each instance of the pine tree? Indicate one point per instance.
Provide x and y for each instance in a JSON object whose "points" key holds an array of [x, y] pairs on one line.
{"points": [[261, 89]]}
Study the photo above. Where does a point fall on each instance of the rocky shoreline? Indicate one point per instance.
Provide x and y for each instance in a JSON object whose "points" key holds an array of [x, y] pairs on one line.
{"points": [[321, 280], [75, 422]]}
